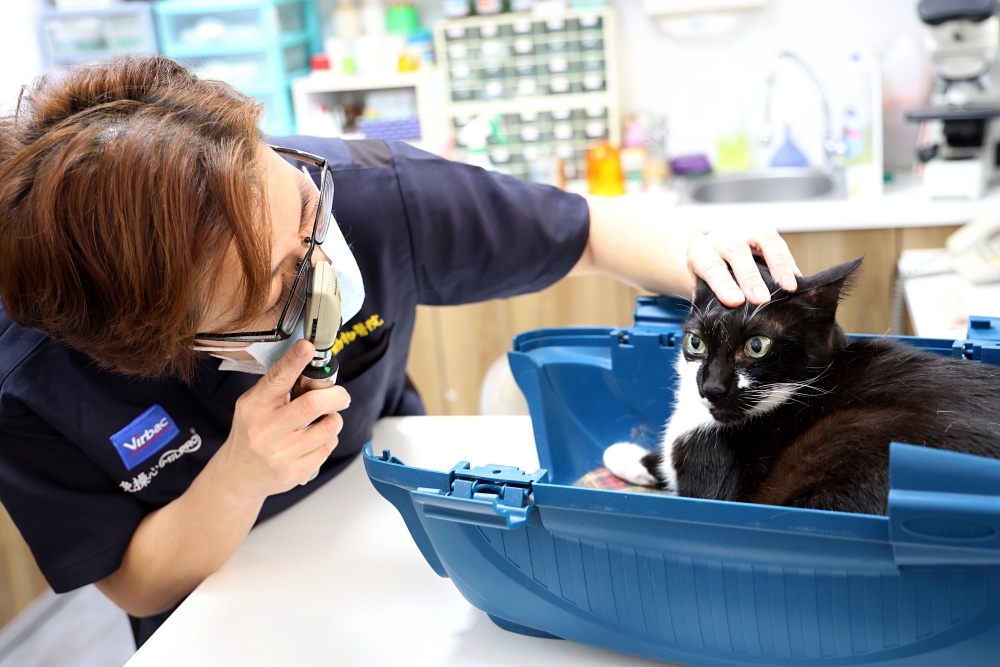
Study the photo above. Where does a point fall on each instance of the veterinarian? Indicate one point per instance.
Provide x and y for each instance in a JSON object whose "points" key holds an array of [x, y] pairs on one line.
{"points": [[140, 207]]}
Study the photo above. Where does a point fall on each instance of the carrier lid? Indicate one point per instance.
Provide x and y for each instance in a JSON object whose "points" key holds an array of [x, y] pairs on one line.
{"points": [[944, 507]]}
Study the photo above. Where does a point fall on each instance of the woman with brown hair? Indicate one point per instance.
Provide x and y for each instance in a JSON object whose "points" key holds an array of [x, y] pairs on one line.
{"points": [[147, 228]]}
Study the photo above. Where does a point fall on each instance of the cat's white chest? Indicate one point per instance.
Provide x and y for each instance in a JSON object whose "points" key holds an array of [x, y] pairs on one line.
{"points": [[690, 413]]}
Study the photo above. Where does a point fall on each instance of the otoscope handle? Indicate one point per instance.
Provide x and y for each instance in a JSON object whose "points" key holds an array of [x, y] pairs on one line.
{"points": [[322, 368]]}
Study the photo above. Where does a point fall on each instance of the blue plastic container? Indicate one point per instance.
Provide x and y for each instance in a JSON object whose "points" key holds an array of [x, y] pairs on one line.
{"points": [[257, 46], [704, 582]]}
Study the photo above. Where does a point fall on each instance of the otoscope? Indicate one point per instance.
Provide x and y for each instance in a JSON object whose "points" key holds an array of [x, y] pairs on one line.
{"points": [[323, 320]]}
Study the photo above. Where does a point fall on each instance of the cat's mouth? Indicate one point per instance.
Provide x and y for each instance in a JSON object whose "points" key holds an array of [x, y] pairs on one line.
{"points": [[726, 415]]}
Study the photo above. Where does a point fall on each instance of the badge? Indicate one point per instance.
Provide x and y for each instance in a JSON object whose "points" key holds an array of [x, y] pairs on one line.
{"points": [[147, 434]]}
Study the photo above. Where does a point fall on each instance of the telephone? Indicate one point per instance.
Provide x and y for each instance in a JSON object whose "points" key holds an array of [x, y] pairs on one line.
{"points": [[975, 249], [323, 320]]}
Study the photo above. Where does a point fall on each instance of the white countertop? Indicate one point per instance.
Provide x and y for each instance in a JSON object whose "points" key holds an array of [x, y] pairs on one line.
{"points": [[938, 299], [903, 205], [337, 579]]}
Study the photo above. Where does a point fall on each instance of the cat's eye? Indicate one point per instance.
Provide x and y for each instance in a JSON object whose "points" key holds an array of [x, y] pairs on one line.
{"points": [[694, 345], [758, 346]]}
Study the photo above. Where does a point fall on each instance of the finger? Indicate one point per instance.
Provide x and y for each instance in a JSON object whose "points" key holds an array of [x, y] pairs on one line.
{"points": [[779, 258], [281, 377], [310, 463], [707, 264], [307, 408], [737, 254], [322, 432]]}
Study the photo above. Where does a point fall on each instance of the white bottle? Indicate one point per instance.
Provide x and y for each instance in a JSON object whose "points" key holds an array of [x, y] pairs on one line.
{"points": [[856, 120], [370, 44], [347, 20], [373, 18]]}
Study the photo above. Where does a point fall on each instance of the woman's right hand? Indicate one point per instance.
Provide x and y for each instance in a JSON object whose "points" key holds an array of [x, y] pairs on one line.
{"points": [[277, 442]]}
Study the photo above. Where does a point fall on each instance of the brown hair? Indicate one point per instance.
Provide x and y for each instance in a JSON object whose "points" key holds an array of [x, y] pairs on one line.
{"points": [[123, 186]]}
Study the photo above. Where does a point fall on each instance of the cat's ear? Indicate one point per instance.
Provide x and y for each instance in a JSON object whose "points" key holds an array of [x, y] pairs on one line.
{"points": [[826, 288]]}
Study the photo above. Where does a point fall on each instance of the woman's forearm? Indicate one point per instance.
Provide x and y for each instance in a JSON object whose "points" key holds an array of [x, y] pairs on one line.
{"points": [[638, 246], [651, 250], [176, 547]]}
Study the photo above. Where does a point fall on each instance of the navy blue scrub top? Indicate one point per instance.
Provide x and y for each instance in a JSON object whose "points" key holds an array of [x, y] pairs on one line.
{"points": [[86, 453]]}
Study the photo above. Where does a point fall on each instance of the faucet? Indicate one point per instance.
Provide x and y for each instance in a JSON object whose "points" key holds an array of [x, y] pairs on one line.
{"points": [[831, 147]]}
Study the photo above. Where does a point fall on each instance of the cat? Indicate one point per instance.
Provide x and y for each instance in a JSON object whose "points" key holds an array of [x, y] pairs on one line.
{"points": [[775, 405]]}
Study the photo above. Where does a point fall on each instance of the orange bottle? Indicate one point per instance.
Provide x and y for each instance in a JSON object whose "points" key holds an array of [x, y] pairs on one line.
{"points": [[604, 170]]}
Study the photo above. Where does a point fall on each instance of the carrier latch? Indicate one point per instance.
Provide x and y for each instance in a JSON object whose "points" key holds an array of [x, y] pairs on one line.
{"points": [[493, 495]]}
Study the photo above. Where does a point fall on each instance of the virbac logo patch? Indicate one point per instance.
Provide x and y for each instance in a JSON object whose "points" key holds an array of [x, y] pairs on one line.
{"points": [[145, 436]]}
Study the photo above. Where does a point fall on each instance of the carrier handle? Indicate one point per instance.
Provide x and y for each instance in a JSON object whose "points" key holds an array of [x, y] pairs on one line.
{"points": [[944, 507], [490, 514]]}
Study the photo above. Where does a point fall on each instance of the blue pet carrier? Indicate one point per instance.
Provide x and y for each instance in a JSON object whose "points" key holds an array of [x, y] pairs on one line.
{"points": [[704, 582]]}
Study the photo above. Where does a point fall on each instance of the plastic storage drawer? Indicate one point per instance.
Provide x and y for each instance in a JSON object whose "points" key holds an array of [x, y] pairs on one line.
{"points": [[257, 46], [702, 582]]}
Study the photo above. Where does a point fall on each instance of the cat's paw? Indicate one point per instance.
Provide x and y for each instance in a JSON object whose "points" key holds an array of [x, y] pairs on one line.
{"points": [[624, 460]]}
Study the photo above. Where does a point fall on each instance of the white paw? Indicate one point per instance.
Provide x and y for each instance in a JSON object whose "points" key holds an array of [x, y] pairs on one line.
{"points": [[624, 459]]}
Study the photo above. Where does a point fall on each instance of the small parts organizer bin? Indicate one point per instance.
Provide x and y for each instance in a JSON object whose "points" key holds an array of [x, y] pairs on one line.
{"points": [[702, 582], [257, 46], [550, 80]]}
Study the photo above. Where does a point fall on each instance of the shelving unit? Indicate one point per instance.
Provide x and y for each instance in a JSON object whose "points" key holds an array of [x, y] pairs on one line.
{"points": [[426, 129], [551, 80], [257, 46], [78, 36]]}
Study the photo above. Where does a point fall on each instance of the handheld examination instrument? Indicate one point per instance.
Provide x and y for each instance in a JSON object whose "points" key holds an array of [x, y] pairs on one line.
{"points": [[323, 320]]}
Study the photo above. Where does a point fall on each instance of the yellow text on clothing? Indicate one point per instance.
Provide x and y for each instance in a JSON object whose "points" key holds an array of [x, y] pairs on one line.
{"points": [[359, 330]]}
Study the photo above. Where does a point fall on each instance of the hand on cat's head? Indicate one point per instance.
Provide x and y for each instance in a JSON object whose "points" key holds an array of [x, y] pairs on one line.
{"points": [[822, 290], [725, 259]]}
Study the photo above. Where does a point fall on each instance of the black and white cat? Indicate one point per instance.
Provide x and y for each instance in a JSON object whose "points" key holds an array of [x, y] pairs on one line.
{"points": [[775, 405]]}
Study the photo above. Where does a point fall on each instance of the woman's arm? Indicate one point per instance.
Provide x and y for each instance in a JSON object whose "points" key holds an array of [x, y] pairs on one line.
{"points": [[651, 251], [275, 444]]}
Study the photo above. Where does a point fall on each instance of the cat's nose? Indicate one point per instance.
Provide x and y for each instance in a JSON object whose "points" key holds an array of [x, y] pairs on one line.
{"points": [[713, 391]]}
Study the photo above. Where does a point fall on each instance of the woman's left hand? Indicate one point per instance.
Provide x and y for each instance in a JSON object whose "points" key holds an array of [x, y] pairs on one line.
{"points": [[709, 258]]}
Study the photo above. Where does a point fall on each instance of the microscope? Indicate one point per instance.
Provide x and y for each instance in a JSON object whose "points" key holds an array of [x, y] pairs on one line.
{"points": [[959, 142]]}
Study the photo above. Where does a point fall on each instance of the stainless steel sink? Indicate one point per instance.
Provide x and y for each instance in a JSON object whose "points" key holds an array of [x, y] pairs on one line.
{"points": [[766, 185]]}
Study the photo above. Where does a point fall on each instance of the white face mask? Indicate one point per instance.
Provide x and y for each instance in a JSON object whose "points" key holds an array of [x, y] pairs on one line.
{"points": [[352, 287], [264, 355]]}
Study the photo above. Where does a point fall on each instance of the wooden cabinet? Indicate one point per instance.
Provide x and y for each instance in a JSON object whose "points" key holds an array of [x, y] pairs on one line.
{"points": [[453, 347], [20, 580]]}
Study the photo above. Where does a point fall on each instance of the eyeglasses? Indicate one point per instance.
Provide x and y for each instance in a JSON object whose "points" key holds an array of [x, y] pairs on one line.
{"points": [[298, 293]]}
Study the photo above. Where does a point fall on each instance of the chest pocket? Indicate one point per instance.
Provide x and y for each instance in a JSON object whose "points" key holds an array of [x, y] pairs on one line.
{"points": [[362, 359]]}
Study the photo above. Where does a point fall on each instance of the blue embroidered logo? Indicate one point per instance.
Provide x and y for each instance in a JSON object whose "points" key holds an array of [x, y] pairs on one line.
{"points": [[145, 436]]}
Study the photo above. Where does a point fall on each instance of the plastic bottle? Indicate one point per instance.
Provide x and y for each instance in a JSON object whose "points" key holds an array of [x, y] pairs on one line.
{"points": [[633, 156], [347, 22], [656, 170], [604, 170], [373, 18], [474, 136], [420, 47], [856, 132], [906, 83]]}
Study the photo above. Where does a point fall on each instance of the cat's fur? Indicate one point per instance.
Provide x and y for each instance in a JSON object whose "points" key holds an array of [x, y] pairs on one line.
{"points": [[809, 423]]}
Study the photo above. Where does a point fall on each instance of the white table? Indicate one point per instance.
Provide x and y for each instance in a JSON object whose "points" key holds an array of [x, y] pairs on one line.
{"points": [[337, 580], [939, 300]]}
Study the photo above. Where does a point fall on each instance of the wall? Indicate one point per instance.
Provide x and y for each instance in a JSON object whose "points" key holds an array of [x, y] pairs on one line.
{"points": [[711, 83], [19, 50]]}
